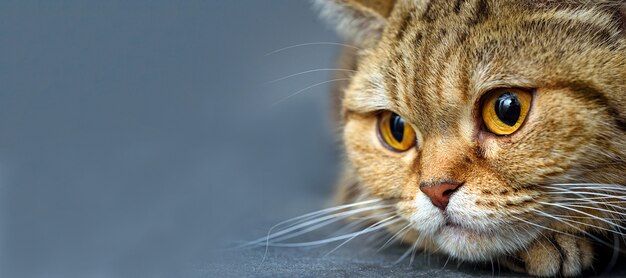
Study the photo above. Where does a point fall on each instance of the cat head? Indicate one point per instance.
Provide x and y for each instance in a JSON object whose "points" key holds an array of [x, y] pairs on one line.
{"points": [[485, 122]]}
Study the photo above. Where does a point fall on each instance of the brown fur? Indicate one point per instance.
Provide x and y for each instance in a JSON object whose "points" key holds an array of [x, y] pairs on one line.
{"points": [[431, 63]]}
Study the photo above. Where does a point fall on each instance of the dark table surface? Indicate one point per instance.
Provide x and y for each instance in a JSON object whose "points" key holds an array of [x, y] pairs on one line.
{"points": [[139, 139]]}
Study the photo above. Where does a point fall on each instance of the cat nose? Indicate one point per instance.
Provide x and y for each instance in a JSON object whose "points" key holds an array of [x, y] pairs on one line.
{"points": [[439, 193]]}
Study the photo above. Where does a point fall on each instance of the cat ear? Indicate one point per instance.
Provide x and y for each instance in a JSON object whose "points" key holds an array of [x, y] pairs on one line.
{"points": [[360, 22]]}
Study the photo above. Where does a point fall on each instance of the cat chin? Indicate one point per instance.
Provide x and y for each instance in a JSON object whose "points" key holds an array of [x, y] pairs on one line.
{"points": [[472, 245], [474, 240]]}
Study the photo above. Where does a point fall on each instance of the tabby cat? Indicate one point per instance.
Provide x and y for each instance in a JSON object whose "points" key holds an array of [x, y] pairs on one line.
{"points": [[486, 129]]}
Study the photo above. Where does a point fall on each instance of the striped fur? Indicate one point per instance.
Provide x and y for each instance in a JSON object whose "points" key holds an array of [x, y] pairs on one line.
{"points": [[432, 62]]}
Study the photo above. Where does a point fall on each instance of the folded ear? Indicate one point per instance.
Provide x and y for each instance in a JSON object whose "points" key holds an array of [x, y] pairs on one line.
{"points": [[360, 22]]}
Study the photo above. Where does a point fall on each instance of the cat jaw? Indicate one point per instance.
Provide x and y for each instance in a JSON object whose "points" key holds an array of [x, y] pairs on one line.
{"points": [[462, 232]]}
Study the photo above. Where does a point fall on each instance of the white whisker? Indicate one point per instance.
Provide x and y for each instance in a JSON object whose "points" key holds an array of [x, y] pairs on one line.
{"points": [[584, 232], [568, 207], [305, 219], [584, 217], [584, 184], [590, 193], [589, 200], [324, 241], [394, 237], [409, 251], [596, 205], [336, 216], [578, 222], [358, 221], [599, 187], [382, 223], [327, 210], [307, 230], [309, 87], [305, 72], [541, 226], [413, 256], [445, 264], [311, 43]]}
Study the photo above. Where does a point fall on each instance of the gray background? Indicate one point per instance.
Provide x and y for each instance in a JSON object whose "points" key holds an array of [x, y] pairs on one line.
{"points": [[138, 139]]}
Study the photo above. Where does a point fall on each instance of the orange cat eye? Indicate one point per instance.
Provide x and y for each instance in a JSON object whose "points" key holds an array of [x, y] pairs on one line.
{"points": [[394, 133], [504, 110]]}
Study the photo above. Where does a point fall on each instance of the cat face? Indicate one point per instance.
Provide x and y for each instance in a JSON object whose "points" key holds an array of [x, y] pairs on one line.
{"points": [[476, 117]]}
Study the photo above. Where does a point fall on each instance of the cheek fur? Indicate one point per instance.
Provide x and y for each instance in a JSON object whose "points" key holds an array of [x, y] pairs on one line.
{"points": [[562, 133], [380, 171]]}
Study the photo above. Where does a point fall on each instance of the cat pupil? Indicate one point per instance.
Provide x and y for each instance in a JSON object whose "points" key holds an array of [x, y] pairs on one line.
{"points": [[508, 108], [397, 127]]}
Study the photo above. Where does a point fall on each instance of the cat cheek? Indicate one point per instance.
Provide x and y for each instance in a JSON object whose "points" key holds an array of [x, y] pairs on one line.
{"points": [[381, 172], [490, 147]]}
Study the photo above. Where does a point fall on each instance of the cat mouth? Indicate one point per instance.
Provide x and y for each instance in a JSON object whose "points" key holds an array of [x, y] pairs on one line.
{"points": [[453, 225], [461, 229], [450, 224]]}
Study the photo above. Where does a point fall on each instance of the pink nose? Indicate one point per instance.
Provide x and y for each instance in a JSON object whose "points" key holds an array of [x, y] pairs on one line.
{"points": [[439, 193]]}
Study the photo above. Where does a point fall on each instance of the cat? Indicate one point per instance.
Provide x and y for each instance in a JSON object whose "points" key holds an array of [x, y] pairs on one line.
{"points": [[486, 129]]}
